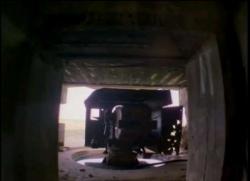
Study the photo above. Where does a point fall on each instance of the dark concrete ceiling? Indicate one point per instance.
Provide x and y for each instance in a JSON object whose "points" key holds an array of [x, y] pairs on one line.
{"points": [[125, 43]]}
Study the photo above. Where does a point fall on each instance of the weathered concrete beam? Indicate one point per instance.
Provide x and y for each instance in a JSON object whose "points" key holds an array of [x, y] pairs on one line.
{"points": [[126, 86], [123, 61]]}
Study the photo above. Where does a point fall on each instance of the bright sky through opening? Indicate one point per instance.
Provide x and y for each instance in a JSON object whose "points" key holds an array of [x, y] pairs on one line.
{"points": [[74, 109]]}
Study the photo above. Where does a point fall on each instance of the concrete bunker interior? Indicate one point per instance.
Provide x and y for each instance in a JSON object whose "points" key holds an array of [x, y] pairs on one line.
{"points": [[124, 44]]}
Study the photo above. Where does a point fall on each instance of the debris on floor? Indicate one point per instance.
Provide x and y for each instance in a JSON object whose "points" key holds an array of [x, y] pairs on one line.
{"points": [[70, 170]]}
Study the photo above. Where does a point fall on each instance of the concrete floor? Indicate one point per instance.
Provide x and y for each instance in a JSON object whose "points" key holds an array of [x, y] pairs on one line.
{"points": [[70, 170]]}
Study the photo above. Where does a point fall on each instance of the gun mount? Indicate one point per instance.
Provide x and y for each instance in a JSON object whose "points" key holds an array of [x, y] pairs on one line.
{"points": [[127, 121]]}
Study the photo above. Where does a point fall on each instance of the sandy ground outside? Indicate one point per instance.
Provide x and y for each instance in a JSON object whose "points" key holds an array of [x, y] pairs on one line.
{"points": [[74, 138], [74, 132]]}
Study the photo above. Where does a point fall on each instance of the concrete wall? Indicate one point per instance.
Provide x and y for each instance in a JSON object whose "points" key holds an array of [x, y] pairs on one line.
{"points": [[15, 63], [31, 96], [40, 116], [61, 134], [234, 80], [217, 132], [183, 98], [206, 128], [241, 19]]}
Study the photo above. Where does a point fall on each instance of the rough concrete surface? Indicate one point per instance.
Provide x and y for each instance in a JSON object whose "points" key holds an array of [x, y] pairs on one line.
{"points": [[70, 170]]}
